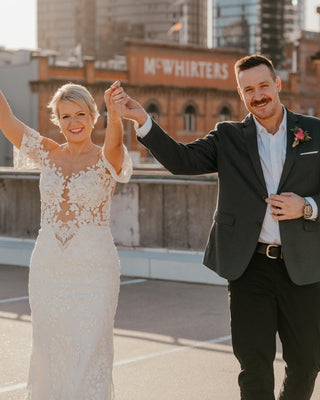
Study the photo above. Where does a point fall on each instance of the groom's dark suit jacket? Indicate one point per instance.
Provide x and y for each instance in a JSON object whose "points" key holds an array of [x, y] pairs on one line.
{"points": [[231, 150]]}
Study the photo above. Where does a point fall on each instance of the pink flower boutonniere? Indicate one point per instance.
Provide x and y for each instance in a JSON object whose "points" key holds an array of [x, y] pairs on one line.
{"points": [[300, 136]]}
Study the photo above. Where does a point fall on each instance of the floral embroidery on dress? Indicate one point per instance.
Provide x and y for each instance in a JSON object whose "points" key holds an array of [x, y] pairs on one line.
{"points": [[31, 152], [78, 201], [68, 203]]}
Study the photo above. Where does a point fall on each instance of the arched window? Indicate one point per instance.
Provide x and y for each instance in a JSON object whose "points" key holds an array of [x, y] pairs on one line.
{"points": [[190, 118], [153, 111], [225, 114]]}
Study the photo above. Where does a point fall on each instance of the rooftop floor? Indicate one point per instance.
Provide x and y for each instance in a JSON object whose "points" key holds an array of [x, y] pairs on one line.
{"points": [[172, 340]]}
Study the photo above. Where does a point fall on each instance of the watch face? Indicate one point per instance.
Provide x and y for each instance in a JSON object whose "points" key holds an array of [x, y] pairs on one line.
{"points": [[307, 211]]}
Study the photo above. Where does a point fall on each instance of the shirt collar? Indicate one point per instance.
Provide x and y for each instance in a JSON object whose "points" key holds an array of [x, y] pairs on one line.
{"points": [[282, 127]]}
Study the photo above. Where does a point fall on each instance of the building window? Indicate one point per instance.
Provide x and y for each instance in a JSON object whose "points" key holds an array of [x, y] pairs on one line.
{"points": [[225, 114], [153, 111], [190, 119]]}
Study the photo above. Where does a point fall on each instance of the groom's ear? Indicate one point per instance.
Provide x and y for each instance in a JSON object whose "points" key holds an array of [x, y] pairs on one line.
{"points": [[239, 91], [278, 83]]}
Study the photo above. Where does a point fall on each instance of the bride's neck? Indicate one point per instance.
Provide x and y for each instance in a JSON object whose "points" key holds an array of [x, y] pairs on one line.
{"points": [[79, 148]]}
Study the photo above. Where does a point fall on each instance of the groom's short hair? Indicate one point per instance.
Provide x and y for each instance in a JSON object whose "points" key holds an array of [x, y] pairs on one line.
{"points": [[253, 61]]}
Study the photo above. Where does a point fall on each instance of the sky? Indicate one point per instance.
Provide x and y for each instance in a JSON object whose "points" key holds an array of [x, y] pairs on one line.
{"points": [[18, 22]]}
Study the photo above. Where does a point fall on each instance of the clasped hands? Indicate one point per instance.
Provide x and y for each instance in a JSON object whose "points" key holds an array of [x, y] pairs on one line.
{"points": [[286, 205], [120, 105]]}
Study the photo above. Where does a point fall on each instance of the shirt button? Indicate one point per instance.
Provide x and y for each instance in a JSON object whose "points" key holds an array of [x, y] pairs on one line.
{"points": [[259, 224]]}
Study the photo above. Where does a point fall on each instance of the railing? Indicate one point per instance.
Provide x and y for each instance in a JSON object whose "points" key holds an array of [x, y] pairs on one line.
{"points": [[160, 223], [155, 209]]}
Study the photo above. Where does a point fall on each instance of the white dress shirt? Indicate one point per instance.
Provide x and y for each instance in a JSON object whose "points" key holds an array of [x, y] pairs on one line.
{"points": [[145, 128], [272, 152]]}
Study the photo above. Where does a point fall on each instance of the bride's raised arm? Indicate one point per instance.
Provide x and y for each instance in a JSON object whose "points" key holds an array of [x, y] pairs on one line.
{"points": [[10, 125], [24, 138], [113, 144]]}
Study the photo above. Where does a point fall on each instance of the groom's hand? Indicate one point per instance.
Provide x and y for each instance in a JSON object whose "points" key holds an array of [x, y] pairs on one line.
{"points": [[131, 109], [128, 108], [286, 206]]}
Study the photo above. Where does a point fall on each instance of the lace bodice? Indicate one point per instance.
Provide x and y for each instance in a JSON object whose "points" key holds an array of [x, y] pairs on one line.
{"points": [[70, 202]]}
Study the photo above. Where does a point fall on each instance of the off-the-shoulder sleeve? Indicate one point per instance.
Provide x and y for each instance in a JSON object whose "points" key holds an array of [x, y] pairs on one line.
{"points": [[126, 171], [30, 153]]}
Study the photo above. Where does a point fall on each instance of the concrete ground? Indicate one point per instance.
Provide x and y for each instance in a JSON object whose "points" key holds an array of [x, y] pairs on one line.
{"points": [[172, 341]]}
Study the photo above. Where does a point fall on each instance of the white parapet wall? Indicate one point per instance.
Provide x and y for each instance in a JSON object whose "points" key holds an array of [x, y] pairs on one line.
{"points": [[152, 216], [176, 265], [15, 251]]}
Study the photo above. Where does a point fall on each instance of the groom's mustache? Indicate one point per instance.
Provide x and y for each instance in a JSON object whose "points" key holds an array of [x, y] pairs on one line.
{"points": [[262, 101]]}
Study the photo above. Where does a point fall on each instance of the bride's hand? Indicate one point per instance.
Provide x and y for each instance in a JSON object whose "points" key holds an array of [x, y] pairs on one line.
{"points": [[111, 96], [125, 106]]}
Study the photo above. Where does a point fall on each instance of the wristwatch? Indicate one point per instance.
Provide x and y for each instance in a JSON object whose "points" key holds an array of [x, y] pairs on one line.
{"points": [[307, 210]]}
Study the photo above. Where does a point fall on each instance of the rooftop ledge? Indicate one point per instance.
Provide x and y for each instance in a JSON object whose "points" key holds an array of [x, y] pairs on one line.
{"points": [[140, 175], [150, 263]]}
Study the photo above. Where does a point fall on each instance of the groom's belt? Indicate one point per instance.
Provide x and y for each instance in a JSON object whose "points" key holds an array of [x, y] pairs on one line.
{"points": [[273, 251]]}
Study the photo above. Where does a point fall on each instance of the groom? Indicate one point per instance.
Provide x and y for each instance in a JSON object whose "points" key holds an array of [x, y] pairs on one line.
{"points": [[265, 238]]}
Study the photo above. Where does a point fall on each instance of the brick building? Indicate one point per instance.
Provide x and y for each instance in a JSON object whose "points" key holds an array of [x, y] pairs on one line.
{"points": [[300, 60], [187, 89]]}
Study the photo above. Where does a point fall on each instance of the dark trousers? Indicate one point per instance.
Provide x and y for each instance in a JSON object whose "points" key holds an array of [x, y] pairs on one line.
{"points": [[264, 301]]}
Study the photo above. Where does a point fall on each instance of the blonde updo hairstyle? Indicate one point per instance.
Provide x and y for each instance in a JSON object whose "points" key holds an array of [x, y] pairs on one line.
{"points": [[76, 93]]}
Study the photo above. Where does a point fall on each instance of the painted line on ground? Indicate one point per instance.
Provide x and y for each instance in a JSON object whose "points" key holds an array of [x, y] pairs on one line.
{"points": [[132, 281], [12, 388], [221, 339], [174, 350], [12, 299]]}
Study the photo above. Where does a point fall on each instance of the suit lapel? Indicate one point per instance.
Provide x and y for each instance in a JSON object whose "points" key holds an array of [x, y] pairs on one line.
{"points": [[250, 134], [291, 153]]}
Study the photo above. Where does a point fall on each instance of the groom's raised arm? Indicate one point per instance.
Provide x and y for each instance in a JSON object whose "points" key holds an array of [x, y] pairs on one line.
{"points": [[198, 157]]}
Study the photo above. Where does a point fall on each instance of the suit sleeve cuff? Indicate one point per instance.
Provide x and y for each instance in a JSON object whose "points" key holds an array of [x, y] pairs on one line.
{"points": [[314, 208], [144, 129]]}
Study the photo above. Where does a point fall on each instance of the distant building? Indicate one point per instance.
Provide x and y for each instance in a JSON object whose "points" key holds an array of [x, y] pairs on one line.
{"points": [[99, 28], [302, 4], [259, 26], [66, 26], [300, 63], [6, 56]]}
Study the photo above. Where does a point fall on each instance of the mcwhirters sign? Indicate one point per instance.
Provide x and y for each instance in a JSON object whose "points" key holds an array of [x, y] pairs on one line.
{"points": [[186, 68], [174, 65]]}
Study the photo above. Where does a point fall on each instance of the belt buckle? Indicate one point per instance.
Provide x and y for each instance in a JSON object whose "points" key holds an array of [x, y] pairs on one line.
{"points": [[268, 251]]}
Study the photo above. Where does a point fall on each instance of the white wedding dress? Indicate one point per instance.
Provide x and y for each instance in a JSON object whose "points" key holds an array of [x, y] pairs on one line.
{"points": [[74, 279]]}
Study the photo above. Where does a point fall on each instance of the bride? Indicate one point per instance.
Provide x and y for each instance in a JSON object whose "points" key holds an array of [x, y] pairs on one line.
{"points": [[74, 268]]}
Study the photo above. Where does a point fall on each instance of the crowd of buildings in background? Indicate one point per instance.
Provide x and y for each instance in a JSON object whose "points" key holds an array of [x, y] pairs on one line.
{"points": [[99, 28], [176, 57]]}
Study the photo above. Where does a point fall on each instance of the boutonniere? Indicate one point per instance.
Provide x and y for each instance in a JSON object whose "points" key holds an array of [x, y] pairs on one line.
{"points": [[300, 136]]}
